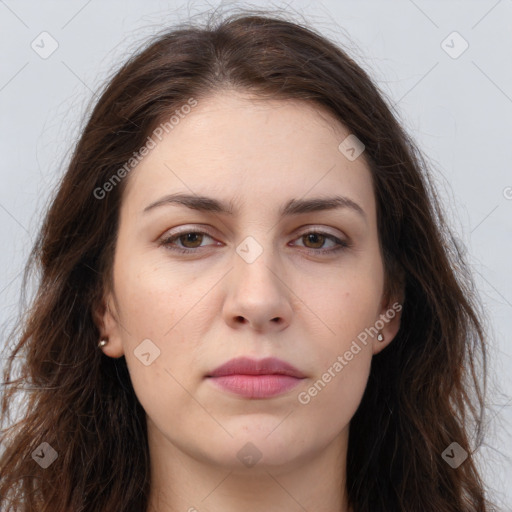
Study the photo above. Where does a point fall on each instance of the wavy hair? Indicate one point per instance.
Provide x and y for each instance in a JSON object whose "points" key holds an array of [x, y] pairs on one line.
{"points": [[425, 391]]}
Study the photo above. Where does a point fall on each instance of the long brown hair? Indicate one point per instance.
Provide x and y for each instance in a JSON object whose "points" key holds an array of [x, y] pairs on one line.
{"points": [[425, 391]]}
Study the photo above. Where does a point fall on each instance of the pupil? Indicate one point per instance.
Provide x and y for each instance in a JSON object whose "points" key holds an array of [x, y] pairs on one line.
{"points": [[191, 237], [311, 238]]}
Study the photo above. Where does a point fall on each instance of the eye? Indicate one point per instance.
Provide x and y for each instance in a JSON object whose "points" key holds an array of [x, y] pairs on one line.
{"points": [[190, 241], [317, 239], [187, 242]]}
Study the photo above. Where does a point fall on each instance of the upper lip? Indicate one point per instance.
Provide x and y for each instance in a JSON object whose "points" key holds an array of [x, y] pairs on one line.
{"points": [[248, 366]]}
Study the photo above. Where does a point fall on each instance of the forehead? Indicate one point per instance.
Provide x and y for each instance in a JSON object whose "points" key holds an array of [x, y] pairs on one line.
{"points": [[245, 148]]}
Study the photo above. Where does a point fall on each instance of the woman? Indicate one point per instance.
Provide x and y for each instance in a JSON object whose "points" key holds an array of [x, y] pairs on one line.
{"points": [[248, 299]]}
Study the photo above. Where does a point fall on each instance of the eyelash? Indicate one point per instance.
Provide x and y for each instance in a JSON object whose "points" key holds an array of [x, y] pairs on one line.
{"points": [[167, 242]]}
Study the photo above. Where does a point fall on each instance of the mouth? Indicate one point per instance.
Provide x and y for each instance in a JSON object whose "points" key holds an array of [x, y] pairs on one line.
{"points": [[252, 378]]}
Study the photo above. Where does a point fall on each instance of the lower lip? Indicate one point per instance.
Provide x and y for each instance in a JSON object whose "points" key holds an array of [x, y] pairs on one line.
{"points": [[256, 386]]}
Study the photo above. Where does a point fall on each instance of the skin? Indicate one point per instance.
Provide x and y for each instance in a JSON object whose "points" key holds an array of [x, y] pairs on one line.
{"points": [[203, 309]]}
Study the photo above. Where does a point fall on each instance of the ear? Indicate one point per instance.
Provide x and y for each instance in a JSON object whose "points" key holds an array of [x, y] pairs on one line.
{"points": [[106, 318], [390, 315]]}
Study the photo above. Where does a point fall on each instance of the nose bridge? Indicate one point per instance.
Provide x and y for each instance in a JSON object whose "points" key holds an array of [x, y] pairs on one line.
{"points": [[255, 263], [256, 293]]}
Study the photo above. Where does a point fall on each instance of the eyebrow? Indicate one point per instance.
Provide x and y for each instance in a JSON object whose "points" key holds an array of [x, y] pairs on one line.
{"points": [[292, 207]]}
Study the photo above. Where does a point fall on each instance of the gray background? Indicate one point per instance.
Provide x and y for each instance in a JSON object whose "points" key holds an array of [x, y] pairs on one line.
{"points": [[458, 109]]}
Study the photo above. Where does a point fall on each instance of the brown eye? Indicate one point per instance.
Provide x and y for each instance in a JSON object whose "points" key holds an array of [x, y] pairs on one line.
{"points": [[193, 238], [316, 239], [186, 241]]}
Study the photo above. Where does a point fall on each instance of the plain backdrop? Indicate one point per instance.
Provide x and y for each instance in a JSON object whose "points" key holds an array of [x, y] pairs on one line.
{"points": [[445, 65]]}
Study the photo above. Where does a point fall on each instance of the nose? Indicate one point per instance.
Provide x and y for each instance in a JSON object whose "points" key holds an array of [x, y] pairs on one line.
{"points": [[258, 296]]}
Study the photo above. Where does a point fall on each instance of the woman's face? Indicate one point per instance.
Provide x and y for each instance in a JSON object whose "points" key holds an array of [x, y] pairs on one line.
{"points": [[250, 284]]}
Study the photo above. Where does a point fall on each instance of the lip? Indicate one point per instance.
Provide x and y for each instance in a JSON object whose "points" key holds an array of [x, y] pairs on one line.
{"points": [[251, 378]]}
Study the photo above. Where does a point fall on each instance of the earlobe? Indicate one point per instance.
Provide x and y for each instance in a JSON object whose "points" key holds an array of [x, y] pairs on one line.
{"points": [[110, 335], [388, 325]]}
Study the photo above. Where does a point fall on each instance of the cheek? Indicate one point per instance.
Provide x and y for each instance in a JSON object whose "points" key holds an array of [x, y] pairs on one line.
{"points": [[344, 309], [152, 295], [154, 310], [343, 353], [330, 400], [162, 305]]}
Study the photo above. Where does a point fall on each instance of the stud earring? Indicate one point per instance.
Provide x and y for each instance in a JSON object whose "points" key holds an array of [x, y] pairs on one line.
{"points": [[102, 343], [380, 337]]}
